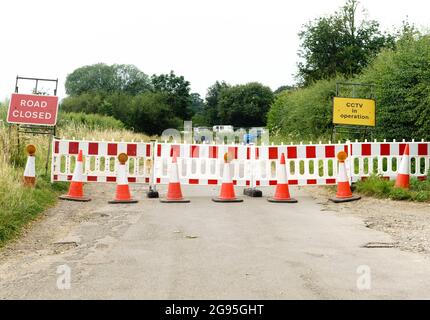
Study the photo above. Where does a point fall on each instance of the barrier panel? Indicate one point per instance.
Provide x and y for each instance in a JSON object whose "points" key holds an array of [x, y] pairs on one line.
{"points": [[313, 164], [202, 164], [253, 166], [100, 160], [383, 158]]}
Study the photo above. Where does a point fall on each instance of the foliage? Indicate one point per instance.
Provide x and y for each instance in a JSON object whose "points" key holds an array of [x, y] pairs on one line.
{"points": [[402, 93], [245, 105], [284, 88], [177, 90], [151, 113], [91, 121], [402, 78], [381, 188], [197, 103], [20, 205], [210, 113], [304, 113], [148, 112], [101, 77], [124, 92], [339, 44]]}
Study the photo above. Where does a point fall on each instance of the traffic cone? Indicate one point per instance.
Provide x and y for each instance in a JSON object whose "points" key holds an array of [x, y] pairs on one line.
{"points": [[174, 192], [343, 193], [76, 189], [402, 180], [30, 167], [227, 188], [282, 193], [122, 194]]}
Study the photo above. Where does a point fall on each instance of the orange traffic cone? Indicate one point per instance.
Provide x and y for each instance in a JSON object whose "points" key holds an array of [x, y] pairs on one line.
{"points": [[30, 167], [343, 193], [76, 189], [227, 188], [122, 194], [174, 192], [402, 180], [282, 193]]}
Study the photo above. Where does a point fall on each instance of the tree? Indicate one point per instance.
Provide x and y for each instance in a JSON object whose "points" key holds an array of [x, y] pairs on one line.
{"points": [[177, 90], [197, 103], [402, 88], [305, 113], [211, 103], [283, 88], [101, 77], [339, 44], [150, 113], [245, 105]]}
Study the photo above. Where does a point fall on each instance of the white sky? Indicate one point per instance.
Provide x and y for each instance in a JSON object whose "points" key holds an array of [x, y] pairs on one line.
{"points": [[204, 40]]}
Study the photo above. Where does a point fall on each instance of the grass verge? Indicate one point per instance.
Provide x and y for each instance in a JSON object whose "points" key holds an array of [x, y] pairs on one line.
{"points": [[381, 188], [18, 204]]}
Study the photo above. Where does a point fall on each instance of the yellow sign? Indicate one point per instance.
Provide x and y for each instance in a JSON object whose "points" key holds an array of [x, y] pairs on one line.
{"points": [[353, 111]]}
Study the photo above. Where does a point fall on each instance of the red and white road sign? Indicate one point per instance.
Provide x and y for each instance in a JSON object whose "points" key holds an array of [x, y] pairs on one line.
{"points": [[33, 109]]}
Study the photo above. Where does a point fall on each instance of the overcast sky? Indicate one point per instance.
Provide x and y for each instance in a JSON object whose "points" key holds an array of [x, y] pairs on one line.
{"points": [[204, 40]]}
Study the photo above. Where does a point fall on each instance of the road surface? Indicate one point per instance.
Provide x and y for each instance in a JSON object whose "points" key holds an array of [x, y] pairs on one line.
{"points": [[206, 250]]}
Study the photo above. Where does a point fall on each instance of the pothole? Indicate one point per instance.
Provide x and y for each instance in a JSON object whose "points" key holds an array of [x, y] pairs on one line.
{"points": [[372, 245]]}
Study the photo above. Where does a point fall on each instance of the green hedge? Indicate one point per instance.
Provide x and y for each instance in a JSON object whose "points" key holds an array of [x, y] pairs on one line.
{"points": [[303, 113], [91, 121], [402, 92]]}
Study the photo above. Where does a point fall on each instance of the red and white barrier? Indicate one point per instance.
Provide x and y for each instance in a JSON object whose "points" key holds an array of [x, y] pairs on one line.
{"points": [[253, 166], [201, 164], [384, 158], [101, 161], [313, 164]]}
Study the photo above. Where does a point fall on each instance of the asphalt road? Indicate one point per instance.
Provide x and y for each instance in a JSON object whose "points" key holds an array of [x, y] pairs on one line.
{"points": [[206, 250]]}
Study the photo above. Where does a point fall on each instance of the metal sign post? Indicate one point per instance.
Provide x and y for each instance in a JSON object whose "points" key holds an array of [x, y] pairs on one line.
{"points": [[365, 91], [49, 130]]}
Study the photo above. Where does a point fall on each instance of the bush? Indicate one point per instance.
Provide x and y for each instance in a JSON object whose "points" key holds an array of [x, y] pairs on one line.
{"points": [[402, 93], [402, 78], [244, 105], [148, 112], [381, 188], [304, 113], [91, 121]]}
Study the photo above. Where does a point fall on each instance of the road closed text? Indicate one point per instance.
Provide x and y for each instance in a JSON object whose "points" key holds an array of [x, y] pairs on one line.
{"points": [[33, 109]]}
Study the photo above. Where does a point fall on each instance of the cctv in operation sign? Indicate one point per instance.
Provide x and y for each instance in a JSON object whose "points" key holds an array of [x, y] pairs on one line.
{"points": [[353, 111], [33, 109]]}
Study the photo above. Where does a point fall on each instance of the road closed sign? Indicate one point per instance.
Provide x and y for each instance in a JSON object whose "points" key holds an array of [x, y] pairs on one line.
{"points": [[33, 109], [353, 111]]}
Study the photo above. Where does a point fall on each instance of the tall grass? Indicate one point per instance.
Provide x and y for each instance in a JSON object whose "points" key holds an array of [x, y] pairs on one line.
{"points": [[381, 188], [18, 204]]}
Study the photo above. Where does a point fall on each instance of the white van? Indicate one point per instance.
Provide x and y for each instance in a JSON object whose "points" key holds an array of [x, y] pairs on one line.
{"points": [[222, 128]]}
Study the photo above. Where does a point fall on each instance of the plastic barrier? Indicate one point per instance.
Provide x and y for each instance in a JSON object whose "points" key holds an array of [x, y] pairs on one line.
{"points": [[253, 166], [101, 160], [384, 158], [313, 164], [202, 164]]}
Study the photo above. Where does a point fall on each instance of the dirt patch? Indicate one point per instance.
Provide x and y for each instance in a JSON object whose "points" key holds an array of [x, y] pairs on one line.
{"points": [[407, 222]]}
